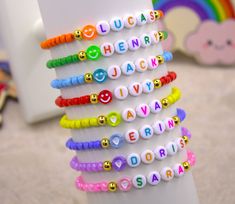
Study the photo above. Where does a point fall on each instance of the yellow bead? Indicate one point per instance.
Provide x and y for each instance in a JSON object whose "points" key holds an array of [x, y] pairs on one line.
{"points": [[94, 98], [185, 138], [157, 83], [101, 120], [160, 59], [77, 34], [105, 143], [176, 120], [165, 103], [88, 78], [112, 186], [107, 165], [171, 99], [82, 55], [186, 165], [93, 122], [85, 123]]}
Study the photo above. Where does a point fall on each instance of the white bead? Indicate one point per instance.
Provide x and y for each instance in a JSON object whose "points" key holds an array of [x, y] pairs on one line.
{"points": [[152, 63], [159, 127], [150, 16], [121, 92], [155, 106], [128, 68], [135, 89], [178, 170], [147, 156], [169, 123], [148, 86], [114, 72], [103, 27], [141, 65], [171, 148], [116, 24], [128, 115], [153, 178], [139, 181], [180, 143], [145, 40], [121, 46], [129, 21], [133, 160], [167, 174], [133, 43], [107, 49], [146, 132], [155, 37], [142, 110], [160, 152], [141, 19], [132, 136]]}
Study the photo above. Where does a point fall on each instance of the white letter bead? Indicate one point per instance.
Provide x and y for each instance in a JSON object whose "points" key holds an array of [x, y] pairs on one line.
{"points": [[171, 148], [169, 123], [135, 89], [146, 132], [150, 16], [114, 72], [116, 24], [155, 106], [153, 178], [142, 110], [134, 43], [133, 160], [103, 27], [160, 152], [107, 49], [147, 156], [152, 62], [141, 19], [158, 127], [180, 143], [139, 181], [121, 46], [145, 40], [178, 170], [128, 68], [121, 92], [132, 136], [148, 86], [129, 21], [155, 37], [167, 174], [128, 115], [141, 65]]}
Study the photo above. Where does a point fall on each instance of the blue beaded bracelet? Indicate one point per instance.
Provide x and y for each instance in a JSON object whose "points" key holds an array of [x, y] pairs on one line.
{"points": [[131, 136], [113, 72]]}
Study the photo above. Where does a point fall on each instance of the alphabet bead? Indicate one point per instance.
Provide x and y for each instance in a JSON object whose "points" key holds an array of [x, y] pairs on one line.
{"points": [[152, 62], [128, 115], [139, 181], [160, 152], [103, 27], [116, 24], [180, 143], [121, 92], [146, 132], [135, 89], [134, 43], [154, 37], [142, 110], [159, 127], [107, 49], [178, 170], [128, 68], [141, 19], [121, 46], [133, 160], [167, 174], [150, 16], [141, 65], [153, 178], [169, 122], [132, 136], [155, 106], [171, 148], [114, 72], [129, 21], [145, 40], [148, 86], [147, 156]]}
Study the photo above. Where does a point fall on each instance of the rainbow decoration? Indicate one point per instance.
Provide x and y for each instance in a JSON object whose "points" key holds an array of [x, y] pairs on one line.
{"points": [[217, 10]]}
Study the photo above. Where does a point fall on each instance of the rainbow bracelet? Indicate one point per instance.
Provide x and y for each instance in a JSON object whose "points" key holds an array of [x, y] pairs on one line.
{"points": [[139, 181], [113, 119]]}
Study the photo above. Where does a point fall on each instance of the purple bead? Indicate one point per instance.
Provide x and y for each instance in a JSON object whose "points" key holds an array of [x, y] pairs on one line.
{"points": [[181, 114], [186, 132], [74, 162], [119, 163]]}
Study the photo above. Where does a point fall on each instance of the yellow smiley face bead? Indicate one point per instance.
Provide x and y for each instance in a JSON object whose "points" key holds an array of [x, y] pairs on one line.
{"points": [[186, 165], [185, 138], [88, 78], [77, 34], [101, 120], [112, 186], [105, 143], [94, 98], [82, 55], [176, 120], [107, 165], [157, 83], [160, 59], [165, 103]]}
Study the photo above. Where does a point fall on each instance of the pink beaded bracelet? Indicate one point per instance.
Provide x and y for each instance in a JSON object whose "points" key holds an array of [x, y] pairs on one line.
{"points": [[139, 181]]}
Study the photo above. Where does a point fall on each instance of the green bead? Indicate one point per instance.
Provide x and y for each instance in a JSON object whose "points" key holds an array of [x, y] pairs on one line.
{"points": [[93, 52], [75, 58]]}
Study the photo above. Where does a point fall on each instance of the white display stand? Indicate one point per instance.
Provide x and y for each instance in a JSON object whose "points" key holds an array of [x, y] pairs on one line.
{"points": [[65, 16], [21, 33]]}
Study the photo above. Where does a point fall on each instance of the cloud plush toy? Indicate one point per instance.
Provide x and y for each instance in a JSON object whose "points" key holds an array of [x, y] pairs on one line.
{"points": [[213, 43]]}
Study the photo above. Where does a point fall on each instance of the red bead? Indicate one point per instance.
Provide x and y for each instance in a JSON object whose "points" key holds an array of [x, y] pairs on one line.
{"points": [[105, 97]]}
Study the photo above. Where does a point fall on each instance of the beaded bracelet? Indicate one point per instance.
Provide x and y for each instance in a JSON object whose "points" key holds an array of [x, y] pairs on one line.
{"points": [[113, 72], [90, 32], [120, 92], [113, 119], [119, 163], [139, 181], [107, 49]]}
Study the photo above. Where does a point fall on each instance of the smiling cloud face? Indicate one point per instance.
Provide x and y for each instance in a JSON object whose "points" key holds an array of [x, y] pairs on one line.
{"points": [[213, 43]]}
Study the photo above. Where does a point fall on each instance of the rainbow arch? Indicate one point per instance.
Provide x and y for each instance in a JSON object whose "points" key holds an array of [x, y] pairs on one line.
{"points": [[217, 10]]}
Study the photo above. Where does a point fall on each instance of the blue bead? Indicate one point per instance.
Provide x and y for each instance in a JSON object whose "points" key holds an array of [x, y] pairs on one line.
{"points": [[100, 75], [181, 114], [116, 141], [85, 145], [54, 83], [81, 79], [68, 143], [74, 80], [79, 146], [90, 145]]}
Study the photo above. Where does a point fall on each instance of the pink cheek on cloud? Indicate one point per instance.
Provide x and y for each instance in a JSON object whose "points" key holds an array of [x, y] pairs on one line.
{"points": [[205, 45]]}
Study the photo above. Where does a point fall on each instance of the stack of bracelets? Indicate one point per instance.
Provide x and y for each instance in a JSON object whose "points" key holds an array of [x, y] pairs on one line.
{"points": [[126, 115]]}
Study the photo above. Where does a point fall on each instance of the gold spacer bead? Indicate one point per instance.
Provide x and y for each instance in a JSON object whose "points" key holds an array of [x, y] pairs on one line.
{"points": [[157, 15], [107, 165], [176, 120], [160, 59], [165, 103], [185, 138], [105, 143], [94, 98], [82, 55], [186, 165], [161, 35], [112, 186], [157, 83], [88, 78], [102, 120], [77, 34]]}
